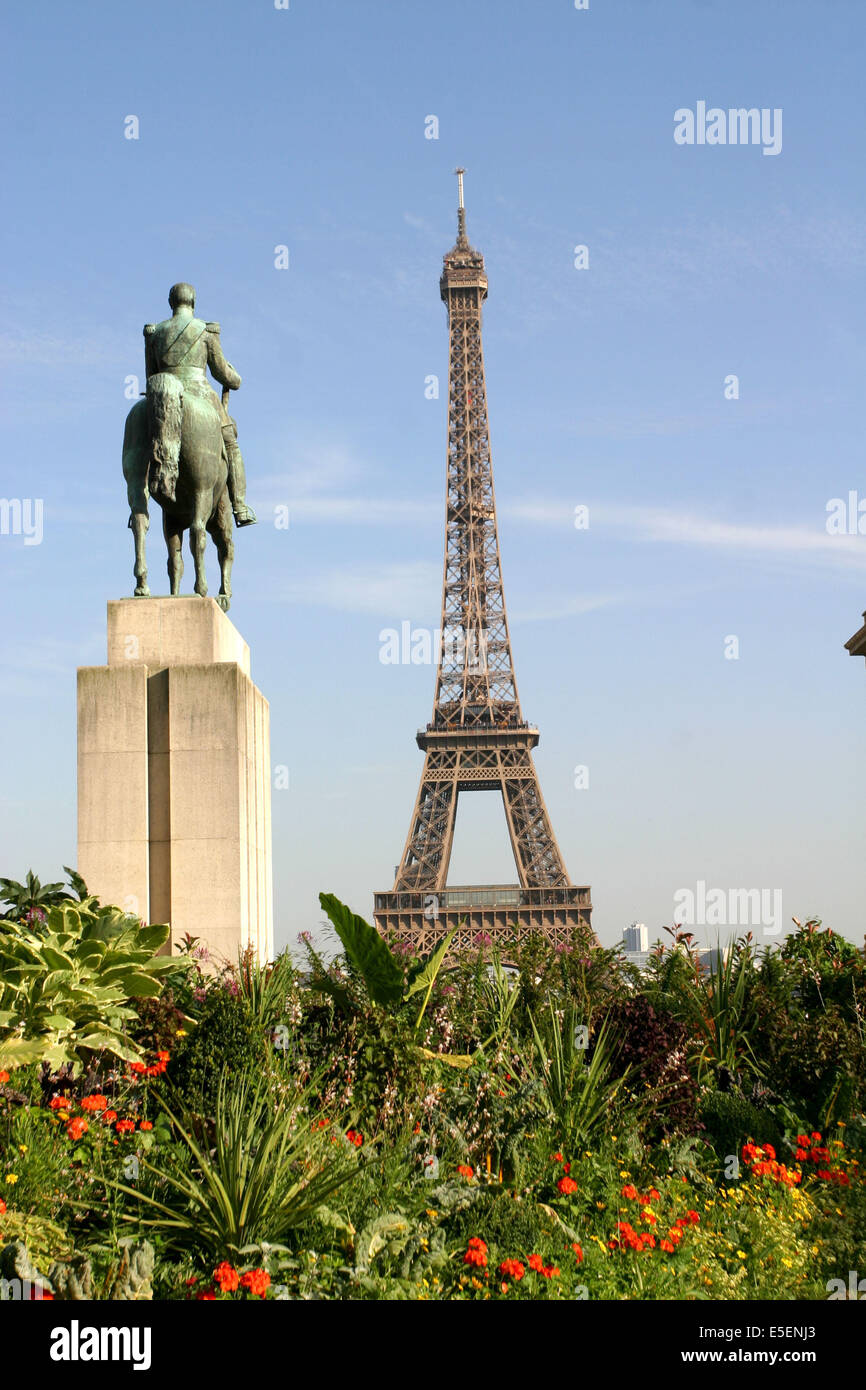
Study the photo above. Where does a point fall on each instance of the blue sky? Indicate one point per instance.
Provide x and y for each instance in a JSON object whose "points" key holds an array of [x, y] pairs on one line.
{"points": [[306, 128]]}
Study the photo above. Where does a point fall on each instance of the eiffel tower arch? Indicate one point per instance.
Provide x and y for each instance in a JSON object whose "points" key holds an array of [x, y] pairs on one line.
{"points": [[477, 739]]}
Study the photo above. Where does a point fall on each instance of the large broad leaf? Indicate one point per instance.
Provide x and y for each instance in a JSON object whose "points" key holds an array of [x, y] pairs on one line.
{"points": [[20, 1052], [140, 986], [366, 950], [104, 1040], [154, 936]]}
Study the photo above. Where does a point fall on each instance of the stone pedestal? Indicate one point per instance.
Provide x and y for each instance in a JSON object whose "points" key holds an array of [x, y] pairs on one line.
{"points": [[174, 792]]}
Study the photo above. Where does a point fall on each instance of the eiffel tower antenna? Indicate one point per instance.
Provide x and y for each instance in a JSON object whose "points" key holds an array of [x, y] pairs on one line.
{"points": [[477, 739]]}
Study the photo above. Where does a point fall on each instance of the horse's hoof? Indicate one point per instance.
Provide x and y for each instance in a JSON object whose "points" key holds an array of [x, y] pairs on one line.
{"points": [[142, 591], [223, 601]]}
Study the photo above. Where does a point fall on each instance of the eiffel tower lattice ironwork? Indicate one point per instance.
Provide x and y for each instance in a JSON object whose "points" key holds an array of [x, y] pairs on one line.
{"points": [[477, 739]]}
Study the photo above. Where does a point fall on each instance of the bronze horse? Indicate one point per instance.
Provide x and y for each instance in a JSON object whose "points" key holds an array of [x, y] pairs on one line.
{"points": [[201, 500]]}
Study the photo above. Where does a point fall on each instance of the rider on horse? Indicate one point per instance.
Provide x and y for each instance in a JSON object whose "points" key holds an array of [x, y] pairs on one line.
{"points": [[177, 353]]}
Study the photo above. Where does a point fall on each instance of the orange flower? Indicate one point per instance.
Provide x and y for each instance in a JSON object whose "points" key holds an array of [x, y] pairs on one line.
{"points": [[257, 1281], [536, 1262], [566, 1186], [667, 1247], [227, 1277], [94, 1104], [513, 1269], [556, 1158], [2, 1206], [465, 1171], [4, 1077], [578, 1253], [76, 1128], [125, 1126], [145, 1124], [57, 1103], [109, 1116], [629, 1192]]}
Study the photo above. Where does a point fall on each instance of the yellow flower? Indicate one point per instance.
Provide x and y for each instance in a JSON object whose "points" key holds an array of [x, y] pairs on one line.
{"points": [[624, 1173], [22, 1148], [741, 1254], [601, 1206], [11, 1177]]}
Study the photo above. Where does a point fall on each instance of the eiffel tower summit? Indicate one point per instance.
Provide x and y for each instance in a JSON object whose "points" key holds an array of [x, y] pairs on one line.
{"points": [[477, 739]]}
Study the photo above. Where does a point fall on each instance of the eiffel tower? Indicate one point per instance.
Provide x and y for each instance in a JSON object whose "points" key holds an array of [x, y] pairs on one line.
{"points": [[478, 739]]}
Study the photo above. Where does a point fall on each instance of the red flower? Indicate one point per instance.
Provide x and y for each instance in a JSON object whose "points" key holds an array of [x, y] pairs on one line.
{"points": [[578, 1253], [4, 1077], [667, 1247], [536, 1262], [675, 1234], [145, 1124], [513, 1269], [556, 1158], [227, 1277], [76, 1128], [257, 1281], [803, 1141], [138, 1067], [550, 1272], [109, 1116], [57, 1103], [355, 1137], [94, 1104], [2, 1206], [477, 1253], [693, 1217], [125, 1126], [802, 1155], [206, 1296], [566, 1186], [629, 1192], [465, 1171], [163, 1056]]}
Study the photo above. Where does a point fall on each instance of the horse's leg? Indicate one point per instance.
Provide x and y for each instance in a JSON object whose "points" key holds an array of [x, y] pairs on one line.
{"points": [[135, 455], [221, 529], [198, 538], [139, 522], [173, 532]]}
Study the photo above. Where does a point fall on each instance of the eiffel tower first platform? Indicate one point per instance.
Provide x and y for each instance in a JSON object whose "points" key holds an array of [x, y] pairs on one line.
{"points": [[478, 739]]}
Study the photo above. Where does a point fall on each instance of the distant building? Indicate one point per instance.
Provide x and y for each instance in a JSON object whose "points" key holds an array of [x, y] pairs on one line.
{"points": [[635, 938]]}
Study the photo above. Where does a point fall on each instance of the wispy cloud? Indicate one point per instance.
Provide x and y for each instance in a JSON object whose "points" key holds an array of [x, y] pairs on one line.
{"points": [[669, 526], [384, 590]]}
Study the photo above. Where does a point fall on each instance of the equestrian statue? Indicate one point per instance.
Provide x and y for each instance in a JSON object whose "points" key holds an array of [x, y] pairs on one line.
{"points": [[180, 447]]}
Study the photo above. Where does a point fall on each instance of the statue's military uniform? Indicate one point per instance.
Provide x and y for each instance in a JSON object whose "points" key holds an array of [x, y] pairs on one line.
{"points": [[185, 347]]}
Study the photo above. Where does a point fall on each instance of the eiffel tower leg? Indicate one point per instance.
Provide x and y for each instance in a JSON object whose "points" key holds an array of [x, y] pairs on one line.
{"points": [[536, 853], [431, 833]]}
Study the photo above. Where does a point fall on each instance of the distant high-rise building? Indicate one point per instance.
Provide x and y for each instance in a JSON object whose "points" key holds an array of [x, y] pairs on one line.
{"points": [[635, 937]]}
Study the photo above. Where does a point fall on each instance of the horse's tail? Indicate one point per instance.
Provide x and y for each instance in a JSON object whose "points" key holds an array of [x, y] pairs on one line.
{"points": [[164, 418]]}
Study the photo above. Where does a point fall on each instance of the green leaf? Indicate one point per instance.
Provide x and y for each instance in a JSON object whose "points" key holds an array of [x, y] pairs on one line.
{"points": [[426, 978], [140, 986], [366, 950]]}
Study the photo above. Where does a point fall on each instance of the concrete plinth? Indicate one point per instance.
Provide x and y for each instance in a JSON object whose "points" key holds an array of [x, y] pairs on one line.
{"points": [[174, 793]]}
